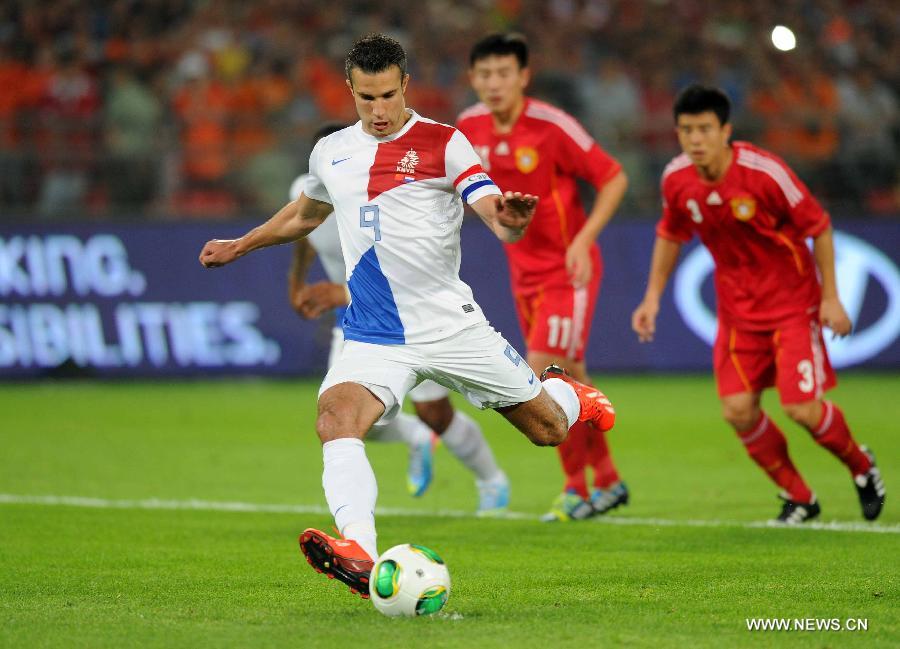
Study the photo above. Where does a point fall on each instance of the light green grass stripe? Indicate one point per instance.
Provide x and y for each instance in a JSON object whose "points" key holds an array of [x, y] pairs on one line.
{"points": [[207, 505]]}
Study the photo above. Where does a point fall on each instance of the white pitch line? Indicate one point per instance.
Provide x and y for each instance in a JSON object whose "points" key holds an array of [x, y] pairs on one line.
{"points": [[220, 506]]}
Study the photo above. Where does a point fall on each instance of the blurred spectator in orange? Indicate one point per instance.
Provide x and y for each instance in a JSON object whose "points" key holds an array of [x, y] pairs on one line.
{"points": [[329, 87], [799, 115], [201, 105]]}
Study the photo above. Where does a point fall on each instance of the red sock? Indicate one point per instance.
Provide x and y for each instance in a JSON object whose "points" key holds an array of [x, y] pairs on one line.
{"points": [[573, 456], [768, 448], [833, 434], [605, 474]]}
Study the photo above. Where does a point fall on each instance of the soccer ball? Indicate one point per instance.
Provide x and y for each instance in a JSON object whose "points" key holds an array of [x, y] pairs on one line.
{"points": [[409, 580]]}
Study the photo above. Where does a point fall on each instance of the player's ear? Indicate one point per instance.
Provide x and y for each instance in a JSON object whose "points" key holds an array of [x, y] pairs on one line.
{"points": [[404, 83], [525, 77], [726, 131]]}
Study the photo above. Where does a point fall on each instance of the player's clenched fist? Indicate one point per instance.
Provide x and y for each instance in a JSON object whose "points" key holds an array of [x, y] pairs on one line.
{"points": [[218, 252], [643, 320]]}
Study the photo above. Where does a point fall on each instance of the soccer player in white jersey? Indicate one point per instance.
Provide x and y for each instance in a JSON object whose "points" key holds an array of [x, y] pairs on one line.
{"points": [[396, 182], [460, 433]]}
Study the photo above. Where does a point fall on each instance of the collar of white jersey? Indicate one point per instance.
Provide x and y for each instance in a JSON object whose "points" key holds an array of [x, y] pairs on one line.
{"points": [[414, 117]]}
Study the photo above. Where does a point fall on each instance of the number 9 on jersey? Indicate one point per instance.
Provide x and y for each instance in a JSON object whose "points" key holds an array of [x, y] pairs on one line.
{"points": [[368, 218]]}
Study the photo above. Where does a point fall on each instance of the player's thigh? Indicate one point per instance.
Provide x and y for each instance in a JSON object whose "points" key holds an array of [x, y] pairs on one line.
{"points": [[562, 321], [743, 361], [432, 404], [804, 370], [387, 371], [482, 366]]}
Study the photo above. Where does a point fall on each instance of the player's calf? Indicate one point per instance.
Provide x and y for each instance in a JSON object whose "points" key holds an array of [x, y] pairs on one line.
{"points": [[541, 420]]}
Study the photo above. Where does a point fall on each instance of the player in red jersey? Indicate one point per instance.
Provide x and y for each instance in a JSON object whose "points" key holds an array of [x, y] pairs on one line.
{"points": [[754, 215], [556, 268]]}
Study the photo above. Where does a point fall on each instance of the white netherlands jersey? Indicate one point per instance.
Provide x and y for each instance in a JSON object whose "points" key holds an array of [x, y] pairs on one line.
{"points": [[324, 239], [398, 203]]}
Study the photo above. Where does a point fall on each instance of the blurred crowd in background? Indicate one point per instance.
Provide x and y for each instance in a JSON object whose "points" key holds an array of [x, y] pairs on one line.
{"points": [[204, 109]]}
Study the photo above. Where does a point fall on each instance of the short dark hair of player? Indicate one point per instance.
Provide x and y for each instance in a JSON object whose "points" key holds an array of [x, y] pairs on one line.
{"points": [[696, 99], [500, 45], [327, 129], [375, 53]]}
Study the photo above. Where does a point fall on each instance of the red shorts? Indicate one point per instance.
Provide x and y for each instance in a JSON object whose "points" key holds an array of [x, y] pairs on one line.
{"points": [[792, 358], [556, 320]]}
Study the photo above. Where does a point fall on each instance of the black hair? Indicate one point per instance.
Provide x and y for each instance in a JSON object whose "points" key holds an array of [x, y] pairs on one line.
{"points": [[375, 53], [327, 129], [696, 99], [500, 45]]}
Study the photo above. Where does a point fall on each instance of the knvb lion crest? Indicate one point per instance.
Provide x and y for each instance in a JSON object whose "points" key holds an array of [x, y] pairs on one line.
{"points": [[406, 168]]}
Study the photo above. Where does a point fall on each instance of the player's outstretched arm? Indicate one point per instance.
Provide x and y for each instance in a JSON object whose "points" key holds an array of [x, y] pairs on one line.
{"points": [[293, 221], [662, 263], [831, 311], [507, 216]]}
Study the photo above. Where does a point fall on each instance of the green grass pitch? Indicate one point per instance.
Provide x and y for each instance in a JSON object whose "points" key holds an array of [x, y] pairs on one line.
{"points": [[122, 575]]}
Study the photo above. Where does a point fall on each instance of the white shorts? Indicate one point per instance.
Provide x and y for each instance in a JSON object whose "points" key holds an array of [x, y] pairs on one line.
{"points": [[477, 362], [427, 390]]}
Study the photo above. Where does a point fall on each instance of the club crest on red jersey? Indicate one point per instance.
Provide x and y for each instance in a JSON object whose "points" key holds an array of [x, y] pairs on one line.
{"points": [[526, 159], [743, 208], [406, 168]]}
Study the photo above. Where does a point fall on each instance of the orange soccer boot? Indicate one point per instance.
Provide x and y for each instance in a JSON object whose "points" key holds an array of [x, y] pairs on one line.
{"points": [[338, 558], [595, 407]]}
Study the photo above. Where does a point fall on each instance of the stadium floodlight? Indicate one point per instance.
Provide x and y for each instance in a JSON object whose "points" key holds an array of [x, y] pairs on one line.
{"points": [[783, 38]]}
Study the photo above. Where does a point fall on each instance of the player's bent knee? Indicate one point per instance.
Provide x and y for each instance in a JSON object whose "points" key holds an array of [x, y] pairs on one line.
{"points": [[346, 410], [741, 417], [806, 413]]}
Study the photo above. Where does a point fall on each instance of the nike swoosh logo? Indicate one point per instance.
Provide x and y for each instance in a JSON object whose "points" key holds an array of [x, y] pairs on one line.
{"points": [[531, 380], [334, 162]]}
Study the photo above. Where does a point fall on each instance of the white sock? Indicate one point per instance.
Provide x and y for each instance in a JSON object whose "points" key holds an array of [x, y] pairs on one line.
{"points": [[351, 491], [465, 440], [564, 394], [405, 428]]}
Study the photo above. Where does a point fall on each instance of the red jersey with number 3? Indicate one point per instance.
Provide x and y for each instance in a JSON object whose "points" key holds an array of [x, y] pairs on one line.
{"points": [[543, 154], [755, 222]]}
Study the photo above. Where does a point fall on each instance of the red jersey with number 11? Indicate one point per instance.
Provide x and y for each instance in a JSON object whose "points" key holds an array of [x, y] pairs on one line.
{"points": [[755, 222], [543, 154]]}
